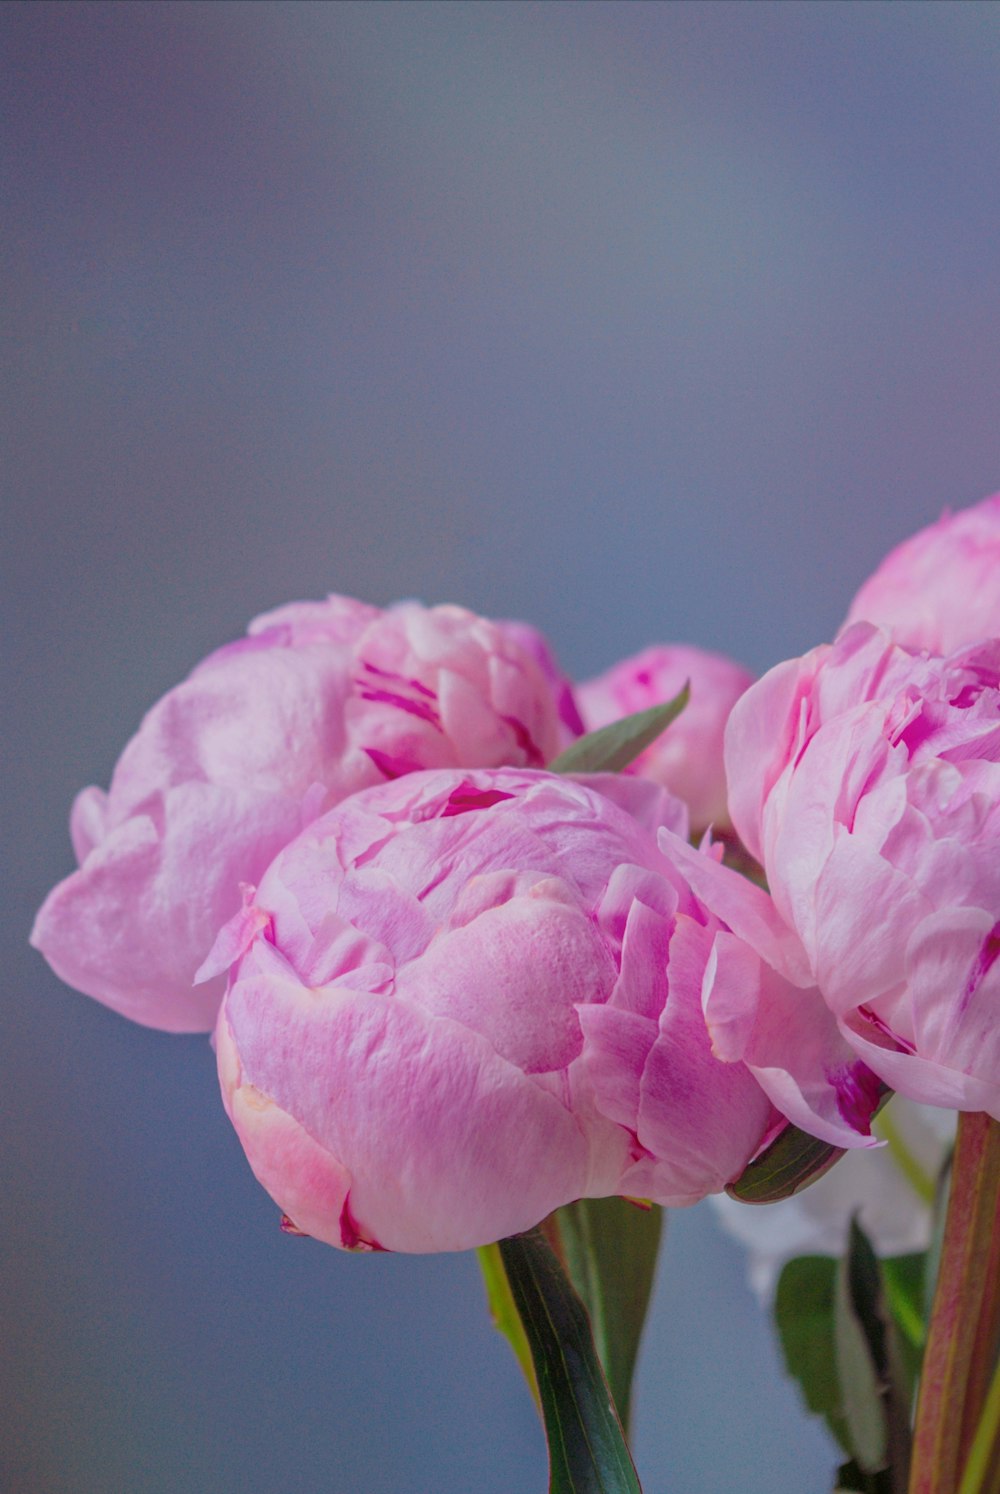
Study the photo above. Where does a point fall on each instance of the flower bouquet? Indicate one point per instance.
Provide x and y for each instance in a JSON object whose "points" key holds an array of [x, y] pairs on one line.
{"points": [[494, 960]]}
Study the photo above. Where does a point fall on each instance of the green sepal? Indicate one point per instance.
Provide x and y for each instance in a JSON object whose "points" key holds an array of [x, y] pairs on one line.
{"points": [[612, 748], [588, 1453], [610, 1247], [791, 1162]]}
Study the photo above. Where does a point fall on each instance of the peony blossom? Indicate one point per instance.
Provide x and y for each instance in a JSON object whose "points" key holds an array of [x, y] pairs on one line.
{"points": [[890, 1189], [940, 589], [866, 779], [463, 999], [320, 700], [688, 758], [537, 645]]}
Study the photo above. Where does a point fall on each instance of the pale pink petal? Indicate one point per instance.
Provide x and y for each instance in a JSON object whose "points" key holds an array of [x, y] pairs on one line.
{"points": [[88, 821], [921, 1079], [938, 590], [747, 909], [793, 1049], [697, 1117], [448, 1145], [760, 735]]}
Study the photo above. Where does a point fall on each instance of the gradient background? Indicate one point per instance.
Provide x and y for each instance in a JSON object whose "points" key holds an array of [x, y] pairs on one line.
{"points": [[642, 321]]}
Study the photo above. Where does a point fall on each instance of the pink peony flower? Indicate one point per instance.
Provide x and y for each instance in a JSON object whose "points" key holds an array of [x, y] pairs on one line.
{"points": [[537, 645], [866, 779], [940, 589], [687, 759], [320, 700], [463, 999]]}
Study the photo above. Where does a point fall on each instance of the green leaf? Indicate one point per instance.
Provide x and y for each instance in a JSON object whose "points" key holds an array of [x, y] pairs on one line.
{"points": [[610, 1247], [789, 1164], [613, 747], [860, 1351], [803, 1311], [587, 1449], [903, 1278], [504, 1313], [876, 1395], [840, 1344]]}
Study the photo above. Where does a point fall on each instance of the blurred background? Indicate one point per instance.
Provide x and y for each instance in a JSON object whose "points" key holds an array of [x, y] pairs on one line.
{"points": [[644, 322]]}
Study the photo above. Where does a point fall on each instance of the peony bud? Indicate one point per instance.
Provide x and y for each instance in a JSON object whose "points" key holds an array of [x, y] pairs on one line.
{"points": [[687, 759], [461, 1000], [940, 589]]}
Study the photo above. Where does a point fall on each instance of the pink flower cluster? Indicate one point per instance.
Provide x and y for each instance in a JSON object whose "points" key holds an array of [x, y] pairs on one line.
{"points": [[321, 699], [452, 991]]}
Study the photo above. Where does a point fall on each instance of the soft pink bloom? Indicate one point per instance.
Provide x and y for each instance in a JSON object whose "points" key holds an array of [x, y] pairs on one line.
{"points": [[866, 779], [320, 700], [762, 1009], [464, 999], [687, 759], [940, 589]]}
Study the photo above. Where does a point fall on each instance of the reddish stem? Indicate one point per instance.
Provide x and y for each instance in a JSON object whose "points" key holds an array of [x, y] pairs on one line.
{"points": [[962, 1338], [984, 1349]]}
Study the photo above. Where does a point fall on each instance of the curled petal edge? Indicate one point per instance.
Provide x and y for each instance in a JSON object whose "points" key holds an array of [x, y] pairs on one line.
{"points": [[789, 1040]]}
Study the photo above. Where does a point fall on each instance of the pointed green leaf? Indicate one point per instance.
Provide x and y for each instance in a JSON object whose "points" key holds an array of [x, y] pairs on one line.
{"points": [[613, 747], [587, 1449], [803, 1312], [610, 1247], [875, 1385], [859, 1340], [504, 1313], [903, 1279], [789, 1164], [841, 1346]]}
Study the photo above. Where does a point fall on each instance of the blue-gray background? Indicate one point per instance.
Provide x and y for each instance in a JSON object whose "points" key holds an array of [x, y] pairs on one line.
{"points": [[641, 321]]}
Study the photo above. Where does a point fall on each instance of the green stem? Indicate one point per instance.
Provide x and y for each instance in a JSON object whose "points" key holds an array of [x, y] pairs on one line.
{"points": [[950, 1395]]}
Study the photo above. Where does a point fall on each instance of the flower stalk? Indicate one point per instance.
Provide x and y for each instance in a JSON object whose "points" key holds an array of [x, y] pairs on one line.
{"points": [[961, 1343], [982, 1470]]}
